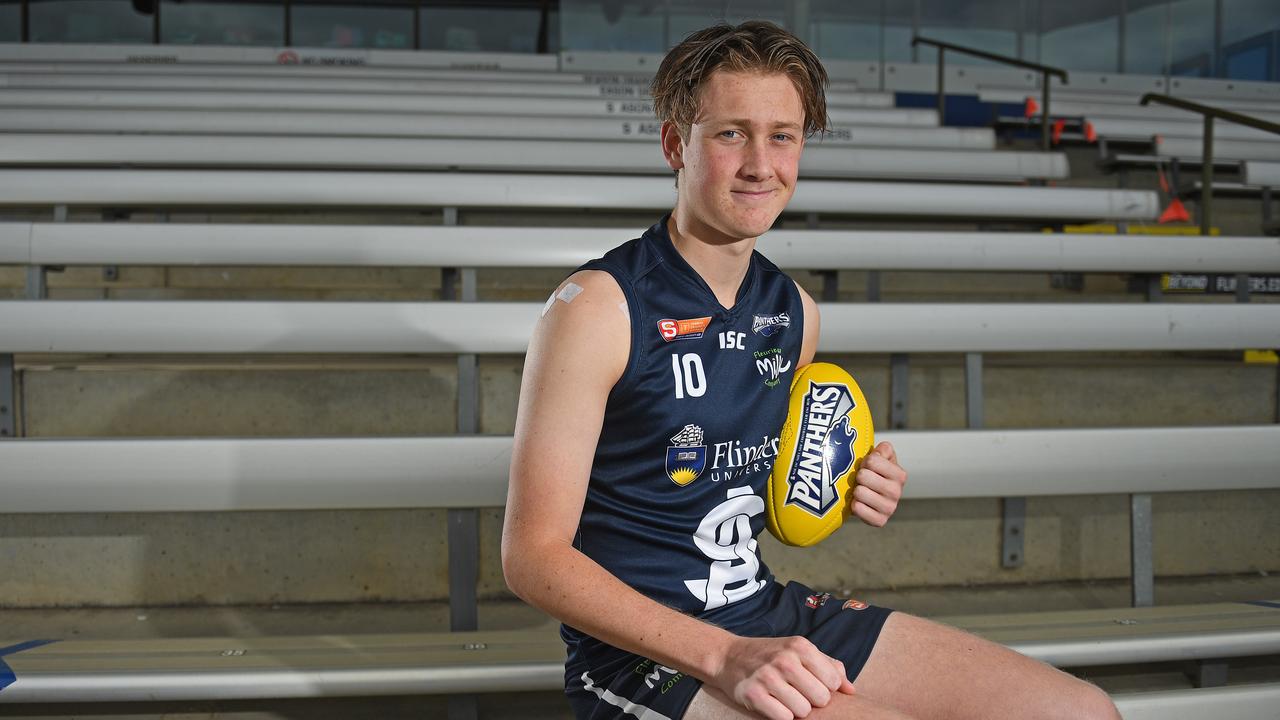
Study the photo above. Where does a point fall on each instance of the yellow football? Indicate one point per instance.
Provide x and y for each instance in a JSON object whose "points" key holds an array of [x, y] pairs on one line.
{"points": [[826, 435]]}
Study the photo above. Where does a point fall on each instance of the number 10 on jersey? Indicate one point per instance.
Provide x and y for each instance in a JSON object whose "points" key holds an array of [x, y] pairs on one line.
{"points": [[691, 379]]}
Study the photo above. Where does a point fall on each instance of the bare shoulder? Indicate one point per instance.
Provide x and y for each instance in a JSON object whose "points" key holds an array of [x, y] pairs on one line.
{"points": [[812, 326], [585, 328], [806, 299]]}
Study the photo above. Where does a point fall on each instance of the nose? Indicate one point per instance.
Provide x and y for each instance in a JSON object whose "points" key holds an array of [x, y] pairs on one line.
{"points": [[755, 160]]}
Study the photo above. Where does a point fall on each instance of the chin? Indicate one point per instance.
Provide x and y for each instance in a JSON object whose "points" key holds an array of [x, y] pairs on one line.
{"points": [[756, 224]]}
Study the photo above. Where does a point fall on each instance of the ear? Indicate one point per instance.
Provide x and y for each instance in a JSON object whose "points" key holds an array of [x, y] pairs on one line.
{"points": [[672, 146]]}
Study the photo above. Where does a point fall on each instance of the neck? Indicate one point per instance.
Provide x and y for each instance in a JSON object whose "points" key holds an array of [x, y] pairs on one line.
{"points": [[722, 261]]}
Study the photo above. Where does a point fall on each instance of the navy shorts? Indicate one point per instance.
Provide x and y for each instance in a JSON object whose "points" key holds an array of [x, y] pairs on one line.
{"points": [[616, 684]]}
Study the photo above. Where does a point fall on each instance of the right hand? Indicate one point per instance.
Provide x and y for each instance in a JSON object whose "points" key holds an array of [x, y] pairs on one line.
{"points": [[780, 678]]}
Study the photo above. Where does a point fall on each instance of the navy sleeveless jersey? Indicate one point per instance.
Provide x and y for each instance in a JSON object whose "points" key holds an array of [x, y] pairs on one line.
{"points": [[676, 496]]}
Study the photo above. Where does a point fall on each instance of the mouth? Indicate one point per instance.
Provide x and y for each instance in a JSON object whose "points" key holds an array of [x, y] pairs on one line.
{"points": [[752, 194]]}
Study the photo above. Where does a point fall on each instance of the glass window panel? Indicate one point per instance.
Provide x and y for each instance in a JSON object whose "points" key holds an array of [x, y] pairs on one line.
{"points": [[1191, 37], [1080, 34], [334, 25], [485, 29], [845, 29], [899, 28], [209, 22], [614, 25], [688, 17], [990, 25], [89, 21], [10, 20], [1030, 30], [1251, 61], [1248, 26], [645, 26], [1146, 26]]}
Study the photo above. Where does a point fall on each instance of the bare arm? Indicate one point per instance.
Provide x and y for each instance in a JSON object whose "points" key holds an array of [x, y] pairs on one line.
{"points": [[579, 350], [812, 328]]}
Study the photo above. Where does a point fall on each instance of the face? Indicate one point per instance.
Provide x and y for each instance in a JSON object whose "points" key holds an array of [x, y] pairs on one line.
{"points": [[738, 166]]}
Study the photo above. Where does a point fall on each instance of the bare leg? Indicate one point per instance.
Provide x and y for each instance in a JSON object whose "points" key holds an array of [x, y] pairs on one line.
{"points": [[711, 704], [932, 671]]}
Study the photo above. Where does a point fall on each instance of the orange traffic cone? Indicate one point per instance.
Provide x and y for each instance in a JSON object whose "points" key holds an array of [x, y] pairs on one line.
{"points": [[1032, 108], [1058, 126], [1174, 213]]}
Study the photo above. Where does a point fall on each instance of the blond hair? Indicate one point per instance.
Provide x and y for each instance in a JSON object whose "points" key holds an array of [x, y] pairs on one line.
{"points": [[754, 46]]}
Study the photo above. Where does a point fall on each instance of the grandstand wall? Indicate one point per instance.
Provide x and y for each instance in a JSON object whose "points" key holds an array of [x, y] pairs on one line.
{"points": [[399, 555]]}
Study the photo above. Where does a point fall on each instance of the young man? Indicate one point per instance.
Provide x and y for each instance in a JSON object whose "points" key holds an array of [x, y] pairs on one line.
{"points": [[654, 388]]}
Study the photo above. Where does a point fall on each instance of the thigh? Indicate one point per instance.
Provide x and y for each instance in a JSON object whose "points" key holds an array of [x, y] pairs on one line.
{"points": [[929, 670], [711, 704]]}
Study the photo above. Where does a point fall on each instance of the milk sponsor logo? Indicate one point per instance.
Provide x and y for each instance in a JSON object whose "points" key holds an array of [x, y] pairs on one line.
{"points": [[824, 447], [771, 364]]}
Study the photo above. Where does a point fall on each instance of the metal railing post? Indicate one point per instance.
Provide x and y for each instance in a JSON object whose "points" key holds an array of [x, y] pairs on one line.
{"points": [[942, 86], [1206, 177], [1045, 70], [1044, 111]]}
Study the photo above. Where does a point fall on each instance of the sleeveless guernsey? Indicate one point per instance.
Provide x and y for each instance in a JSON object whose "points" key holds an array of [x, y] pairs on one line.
{"points": [[675, 498]]}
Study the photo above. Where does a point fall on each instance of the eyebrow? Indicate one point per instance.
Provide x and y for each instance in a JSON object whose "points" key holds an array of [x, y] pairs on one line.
{"points": [[744, 121]]}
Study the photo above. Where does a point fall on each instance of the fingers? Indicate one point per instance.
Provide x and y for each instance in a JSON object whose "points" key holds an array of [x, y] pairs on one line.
{"points": [[785, 677], [846, 687], [878, 486], [764, 704], [885, 450], [882, 474]]}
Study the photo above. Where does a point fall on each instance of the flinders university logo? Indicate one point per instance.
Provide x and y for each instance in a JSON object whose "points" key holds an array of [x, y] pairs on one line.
{"points": [[686, 456], [824, 448]]}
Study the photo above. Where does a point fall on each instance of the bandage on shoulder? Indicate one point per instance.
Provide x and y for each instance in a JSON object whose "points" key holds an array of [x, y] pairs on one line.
{"points": [[566, 295]]}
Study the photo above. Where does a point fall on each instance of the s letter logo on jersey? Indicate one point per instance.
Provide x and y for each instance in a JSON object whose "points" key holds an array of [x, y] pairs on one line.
{"points": [[769, 325], [724, 536], [824, 447], [690, 329], [686, 456]]}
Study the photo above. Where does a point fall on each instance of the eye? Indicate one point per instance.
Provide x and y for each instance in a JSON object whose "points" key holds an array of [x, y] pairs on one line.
{"points": [[729, 133], [783, 137]]}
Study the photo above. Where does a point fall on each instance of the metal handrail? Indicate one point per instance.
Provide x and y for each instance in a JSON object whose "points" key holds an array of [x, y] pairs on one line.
{"points": [[1206, 160], [1045, 72]]}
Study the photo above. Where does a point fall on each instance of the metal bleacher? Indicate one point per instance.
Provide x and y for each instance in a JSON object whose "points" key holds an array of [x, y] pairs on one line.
{"points": [[234, 145]]}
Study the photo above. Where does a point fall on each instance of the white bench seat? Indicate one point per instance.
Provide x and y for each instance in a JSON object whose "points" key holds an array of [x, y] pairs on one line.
{"points": [[50, 150], [1116, 104], [1127, 129], [336, 189], [416, 86], [1261, 173], [45, 243], [191, 326], [1237, 150], [262, 122], [172, 669], [400, 103], [240, 474]]}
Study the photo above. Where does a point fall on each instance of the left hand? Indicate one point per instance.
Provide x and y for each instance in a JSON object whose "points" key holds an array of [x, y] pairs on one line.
{"points": [[879, 486]]}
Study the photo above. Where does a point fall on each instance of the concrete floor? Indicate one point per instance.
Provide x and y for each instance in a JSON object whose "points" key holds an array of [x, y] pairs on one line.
{"points": [[309, 619]]}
